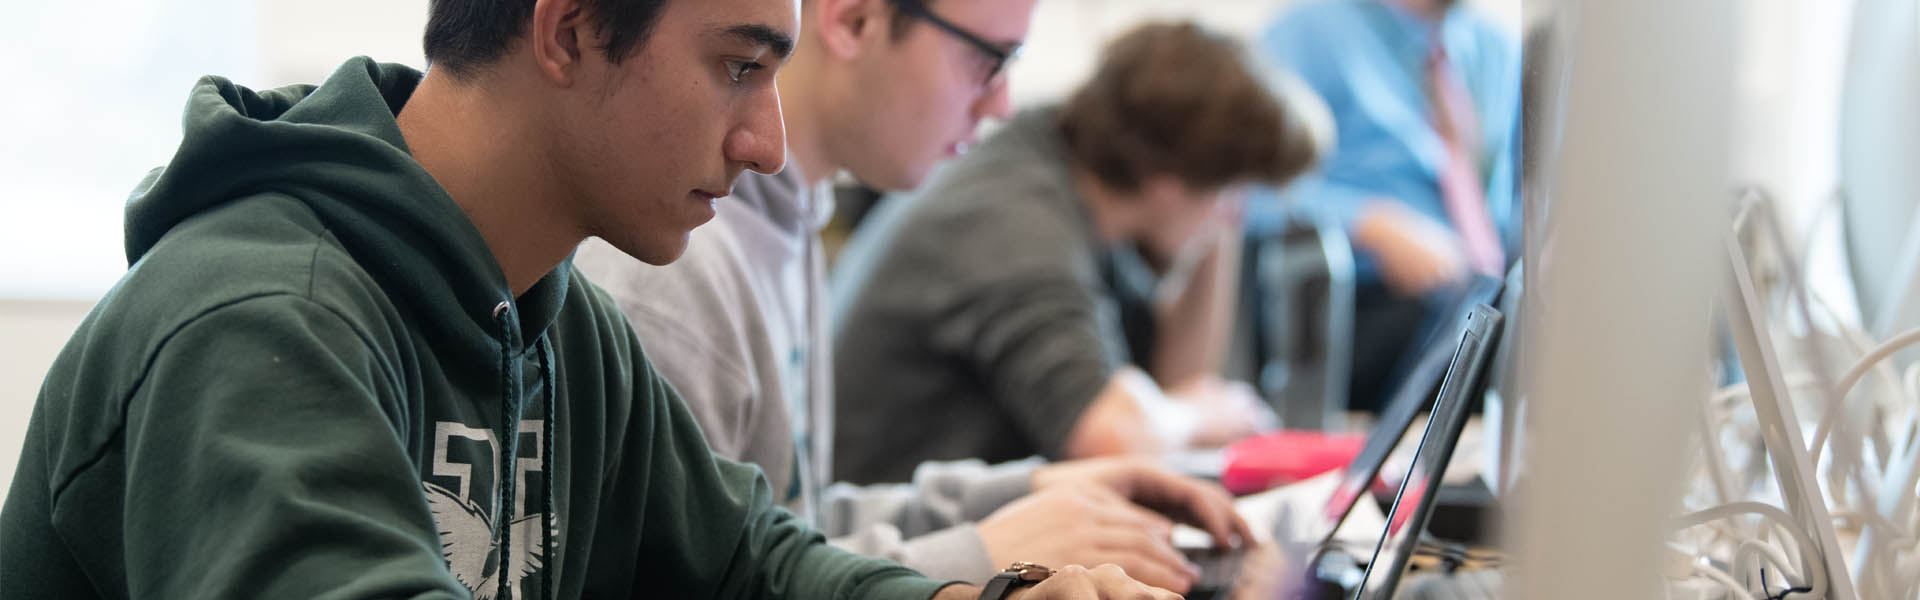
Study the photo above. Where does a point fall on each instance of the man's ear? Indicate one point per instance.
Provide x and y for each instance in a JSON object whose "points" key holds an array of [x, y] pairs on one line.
{"points": [[559, 36], [845, 25]]}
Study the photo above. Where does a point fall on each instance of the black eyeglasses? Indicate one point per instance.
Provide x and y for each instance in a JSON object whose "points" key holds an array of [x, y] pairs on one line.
{"points": [[999, 56]]}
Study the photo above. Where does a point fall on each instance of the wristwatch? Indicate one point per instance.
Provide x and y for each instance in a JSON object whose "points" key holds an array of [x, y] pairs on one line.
{"points": [[1017, 575]]}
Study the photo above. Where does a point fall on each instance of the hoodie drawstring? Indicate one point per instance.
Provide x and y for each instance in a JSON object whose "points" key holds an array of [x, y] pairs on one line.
{"points": [[551, 551], [510, 423], [510, 438]]}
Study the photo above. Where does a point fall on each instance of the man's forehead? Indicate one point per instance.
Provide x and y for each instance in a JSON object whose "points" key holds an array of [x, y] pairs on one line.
{"points": [[781, 15], [775, 41], [751, 20]]}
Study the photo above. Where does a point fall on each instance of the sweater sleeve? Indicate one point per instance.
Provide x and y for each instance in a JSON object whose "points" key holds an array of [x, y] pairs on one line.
{"points": [[927, 525]]}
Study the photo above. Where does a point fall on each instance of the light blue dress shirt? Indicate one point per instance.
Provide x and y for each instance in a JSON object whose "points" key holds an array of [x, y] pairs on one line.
{"points": [[1367, 59]]}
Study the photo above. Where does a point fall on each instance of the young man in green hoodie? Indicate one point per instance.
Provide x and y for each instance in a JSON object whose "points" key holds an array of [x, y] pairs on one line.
{"points": [[350, 358]]}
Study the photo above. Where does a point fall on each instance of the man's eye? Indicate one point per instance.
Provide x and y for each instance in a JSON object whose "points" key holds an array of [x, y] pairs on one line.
{"points": [[738, 70]]}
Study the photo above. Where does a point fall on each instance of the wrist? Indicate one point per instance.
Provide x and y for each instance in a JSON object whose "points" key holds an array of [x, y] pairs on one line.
{"points": [[1014, 581], [958, 591]]}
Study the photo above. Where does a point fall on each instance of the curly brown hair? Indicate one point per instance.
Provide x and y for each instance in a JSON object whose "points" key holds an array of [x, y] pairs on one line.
{"points": [[1176, 99]]}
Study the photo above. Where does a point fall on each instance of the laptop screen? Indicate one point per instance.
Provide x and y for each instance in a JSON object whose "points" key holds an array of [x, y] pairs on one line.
{"points": [[1413, 505], [1414, 396]]}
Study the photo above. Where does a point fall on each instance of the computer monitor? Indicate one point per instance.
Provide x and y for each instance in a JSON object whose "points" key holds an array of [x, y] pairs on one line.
{"points": [[1413, 505]]}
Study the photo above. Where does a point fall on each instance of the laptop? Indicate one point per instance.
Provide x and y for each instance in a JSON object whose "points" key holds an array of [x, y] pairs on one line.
{"points": [[1413, 505], [1416, 395]]}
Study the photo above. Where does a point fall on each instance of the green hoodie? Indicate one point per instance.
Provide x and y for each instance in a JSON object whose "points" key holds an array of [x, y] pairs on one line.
{"points": [[306, 382]]}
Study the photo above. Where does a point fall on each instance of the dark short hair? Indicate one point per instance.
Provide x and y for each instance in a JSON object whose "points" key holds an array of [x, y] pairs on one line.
{"points": [[1175, 99], [464, 36]]}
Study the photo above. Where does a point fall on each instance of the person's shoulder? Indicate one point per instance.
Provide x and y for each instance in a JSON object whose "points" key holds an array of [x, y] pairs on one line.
{"points": [[1317, 18], [598, 346], [1015, 180], [595, 318], [256, 246], [264, 263], [1481, 23], [703, 289], [590, 312], [1492, 39]]}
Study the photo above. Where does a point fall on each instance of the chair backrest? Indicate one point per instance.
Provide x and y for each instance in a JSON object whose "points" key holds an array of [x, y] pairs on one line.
{"points": [[1301, 309]]}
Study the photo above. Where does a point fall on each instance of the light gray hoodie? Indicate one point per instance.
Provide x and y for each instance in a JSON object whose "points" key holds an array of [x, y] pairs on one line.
{"points": [[737, 325]]}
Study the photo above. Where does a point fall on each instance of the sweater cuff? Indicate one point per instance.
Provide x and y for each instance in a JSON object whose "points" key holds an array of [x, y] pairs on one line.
{"points": [[1003, 483], [955, 553]]}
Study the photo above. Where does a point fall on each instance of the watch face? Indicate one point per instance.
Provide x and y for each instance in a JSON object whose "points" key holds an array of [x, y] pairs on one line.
{"points": [[1029, 572]]}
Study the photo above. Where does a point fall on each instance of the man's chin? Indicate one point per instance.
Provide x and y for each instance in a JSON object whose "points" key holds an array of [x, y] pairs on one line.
{"points": [[899, 180], [658, 254]]}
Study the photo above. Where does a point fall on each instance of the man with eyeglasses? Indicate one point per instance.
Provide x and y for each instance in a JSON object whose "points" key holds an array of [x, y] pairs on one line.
{"points": [[884, 89]]}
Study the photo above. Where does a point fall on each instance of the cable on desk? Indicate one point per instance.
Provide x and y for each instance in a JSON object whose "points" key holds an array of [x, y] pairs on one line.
{"points": [[1783, 593], [1812, 565]]}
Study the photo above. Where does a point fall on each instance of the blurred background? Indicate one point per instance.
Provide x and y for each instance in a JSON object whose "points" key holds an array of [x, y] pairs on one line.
{"points": [[98, 89]]}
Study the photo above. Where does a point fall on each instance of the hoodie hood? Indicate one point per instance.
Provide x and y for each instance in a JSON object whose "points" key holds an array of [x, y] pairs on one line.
{"points": [[337, 147]]}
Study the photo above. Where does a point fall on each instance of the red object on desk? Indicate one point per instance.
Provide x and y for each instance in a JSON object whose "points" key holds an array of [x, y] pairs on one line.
{"points": [[1262, 462]]}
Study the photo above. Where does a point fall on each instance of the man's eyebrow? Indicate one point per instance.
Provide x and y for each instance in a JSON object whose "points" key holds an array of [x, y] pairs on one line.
{"points": [[761, 35]]}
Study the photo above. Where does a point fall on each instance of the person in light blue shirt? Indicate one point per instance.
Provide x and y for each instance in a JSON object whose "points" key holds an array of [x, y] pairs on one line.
{"points": [[1386, 182]]}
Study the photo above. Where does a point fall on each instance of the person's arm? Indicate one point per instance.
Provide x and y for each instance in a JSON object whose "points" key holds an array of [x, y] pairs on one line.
{"points": [[1416, 254], [1115, 423], [942, 495], [1133, 416], [1084, 516], [1105, 582], [1068, 522], [927, 524], [711, 527], [1194, 309], [1036, 340], [262, 460]]}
